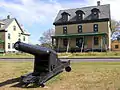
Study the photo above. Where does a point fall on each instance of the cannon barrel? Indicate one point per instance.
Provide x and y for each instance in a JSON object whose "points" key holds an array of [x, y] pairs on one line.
{"points": [[32, 49]]}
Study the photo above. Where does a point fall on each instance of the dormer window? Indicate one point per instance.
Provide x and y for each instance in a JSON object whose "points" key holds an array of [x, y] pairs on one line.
{"points": [[65, 16], [79, 15], [95, 13]]}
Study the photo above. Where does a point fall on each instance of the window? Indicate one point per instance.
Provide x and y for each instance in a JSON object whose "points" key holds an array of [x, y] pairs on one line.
{"points": [[79, 14], [79, 42], [8, 45], [14, 28], [8, 35], [65, 41], [13, 45], [19, 35], [65, 30], [23, 38], [116, 46], [95, 27], [95, 13], [79, 28], [96, 41], [65, 17], [19, 39]]}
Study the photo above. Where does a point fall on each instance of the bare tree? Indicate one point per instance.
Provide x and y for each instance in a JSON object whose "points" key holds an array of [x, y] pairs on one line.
{"points": [[114, 25], [115, 30], [46, 39]]}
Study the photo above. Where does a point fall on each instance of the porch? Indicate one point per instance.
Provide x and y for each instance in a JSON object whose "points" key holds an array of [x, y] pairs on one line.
{"points": [[80, 42], [2, 46]]}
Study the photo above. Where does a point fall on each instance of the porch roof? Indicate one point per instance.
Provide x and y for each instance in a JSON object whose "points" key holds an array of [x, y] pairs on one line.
{"points": [[77, 35]]}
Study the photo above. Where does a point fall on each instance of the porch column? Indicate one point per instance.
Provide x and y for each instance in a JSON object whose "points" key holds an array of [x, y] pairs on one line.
{"points": [[105, 42], [59, 43], [68, 45], [83, 44], [101, 43], [92, 42]]}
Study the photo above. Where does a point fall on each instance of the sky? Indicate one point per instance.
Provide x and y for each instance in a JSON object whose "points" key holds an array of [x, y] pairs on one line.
{"points": [[37, 16]]}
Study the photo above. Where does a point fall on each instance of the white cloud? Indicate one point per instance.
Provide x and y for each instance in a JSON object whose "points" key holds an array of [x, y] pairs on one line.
{"points": [[32, 11]]}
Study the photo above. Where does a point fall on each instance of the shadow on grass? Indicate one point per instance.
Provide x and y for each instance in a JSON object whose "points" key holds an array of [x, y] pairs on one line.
{"points": [[23, 86], [10, 81], [17, 83]]}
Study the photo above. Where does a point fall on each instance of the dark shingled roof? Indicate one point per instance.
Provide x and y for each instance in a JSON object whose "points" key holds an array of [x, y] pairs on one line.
{"points": [[104, 13]]}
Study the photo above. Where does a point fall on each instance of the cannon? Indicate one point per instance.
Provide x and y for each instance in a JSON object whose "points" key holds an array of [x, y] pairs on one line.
{"points": [[46, 64]]}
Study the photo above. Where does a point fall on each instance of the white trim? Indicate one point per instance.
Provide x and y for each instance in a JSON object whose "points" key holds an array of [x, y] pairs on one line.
{"points": [[68, 45]]}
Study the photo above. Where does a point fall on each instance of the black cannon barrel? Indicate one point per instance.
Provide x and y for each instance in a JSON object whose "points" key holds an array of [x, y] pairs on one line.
{"points": [[32, 49]]}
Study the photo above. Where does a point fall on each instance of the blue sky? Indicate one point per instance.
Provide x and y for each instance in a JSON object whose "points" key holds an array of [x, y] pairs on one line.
{"points": [[37, 16]]}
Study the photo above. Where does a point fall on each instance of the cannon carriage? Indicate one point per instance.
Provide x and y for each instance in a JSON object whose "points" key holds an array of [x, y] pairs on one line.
{"points": [[46, 64]]}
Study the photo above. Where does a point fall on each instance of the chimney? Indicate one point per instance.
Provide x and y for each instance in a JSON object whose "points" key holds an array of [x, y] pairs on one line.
{"points": [[98, 3], [8, 17]]}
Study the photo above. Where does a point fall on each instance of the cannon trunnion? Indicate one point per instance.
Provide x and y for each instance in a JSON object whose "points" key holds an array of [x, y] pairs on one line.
{"points": [[46, 64]]}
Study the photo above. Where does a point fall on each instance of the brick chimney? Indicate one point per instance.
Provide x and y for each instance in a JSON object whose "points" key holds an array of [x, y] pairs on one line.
{"points": [[98, 3], [8, 16]]}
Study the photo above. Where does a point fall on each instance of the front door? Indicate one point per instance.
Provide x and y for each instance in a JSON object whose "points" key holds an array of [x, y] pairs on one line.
{"points": [[79, 42]]}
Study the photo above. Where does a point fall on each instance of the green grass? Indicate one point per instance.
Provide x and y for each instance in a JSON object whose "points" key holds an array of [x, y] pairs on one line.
{"points": [[90, 55], [16, 55], [84, 76], [68, 55]]}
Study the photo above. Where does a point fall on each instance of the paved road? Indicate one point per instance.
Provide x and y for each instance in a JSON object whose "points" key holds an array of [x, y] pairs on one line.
{"points": [[72, 60]]}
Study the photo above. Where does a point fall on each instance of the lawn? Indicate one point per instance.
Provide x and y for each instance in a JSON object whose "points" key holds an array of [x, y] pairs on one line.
{"points": [[84, 76], [16, 55], [110, 54], [68, 55]]}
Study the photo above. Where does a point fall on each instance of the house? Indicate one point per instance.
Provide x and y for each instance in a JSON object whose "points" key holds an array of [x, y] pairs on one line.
{"points": [[115, 45], [10, 32], [83, 28]]}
